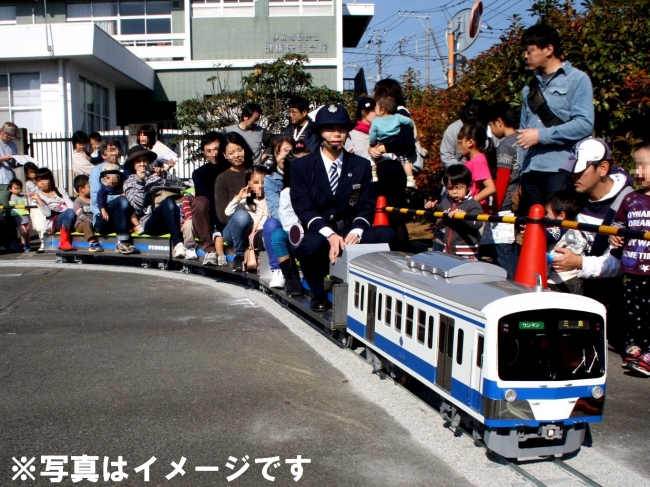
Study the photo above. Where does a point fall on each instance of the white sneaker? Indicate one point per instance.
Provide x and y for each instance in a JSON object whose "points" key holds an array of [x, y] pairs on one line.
{"points": [[210, 258], [190, 254], [222, 261], [277, 281], [179, 251]]}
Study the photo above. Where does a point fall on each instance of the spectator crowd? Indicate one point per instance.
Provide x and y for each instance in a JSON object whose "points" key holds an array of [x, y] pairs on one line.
{"points": [[319, 179]]}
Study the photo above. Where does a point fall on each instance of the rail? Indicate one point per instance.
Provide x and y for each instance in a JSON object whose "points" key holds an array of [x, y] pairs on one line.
{"points": [[524, 220]]}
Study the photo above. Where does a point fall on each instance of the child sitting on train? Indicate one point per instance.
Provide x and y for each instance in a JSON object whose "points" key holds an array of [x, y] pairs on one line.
{"points": [[187, 227], [20, 215], [111, 188], [84, 214], [247, 212], [460, 237], [564, 205]]}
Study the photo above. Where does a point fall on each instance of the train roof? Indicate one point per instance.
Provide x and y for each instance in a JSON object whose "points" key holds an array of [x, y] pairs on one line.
{"points": [[471, 284]]}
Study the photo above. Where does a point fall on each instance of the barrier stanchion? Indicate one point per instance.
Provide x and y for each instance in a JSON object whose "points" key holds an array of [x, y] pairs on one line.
{"points": [[532, 258], [381, 217]]}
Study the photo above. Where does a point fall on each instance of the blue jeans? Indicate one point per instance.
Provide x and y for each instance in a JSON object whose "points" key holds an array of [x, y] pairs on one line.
{"points": [[65, 220], [269, 227], [165, 219], [237, 231], [507, 257], [119, 210], [280, 243]]}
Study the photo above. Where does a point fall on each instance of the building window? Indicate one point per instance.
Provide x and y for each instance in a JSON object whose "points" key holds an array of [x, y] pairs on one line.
{"points": [[125, 18], [292, 8], [8, 15], [223, 8], [93, 99], [20, 100]]}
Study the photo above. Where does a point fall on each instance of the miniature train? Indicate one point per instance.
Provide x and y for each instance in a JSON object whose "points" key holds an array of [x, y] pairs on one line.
{"points": [[523, 370]]}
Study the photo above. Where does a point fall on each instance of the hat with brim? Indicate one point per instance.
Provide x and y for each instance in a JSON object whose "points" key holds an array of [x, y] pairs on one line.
{"points": [[138, 151], [110, 169], [332, 114], [10, 130], [588, 152]]}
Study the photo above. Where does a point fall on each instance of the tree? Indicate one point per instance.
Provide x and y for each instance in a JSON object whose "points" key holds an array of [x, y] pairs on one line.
{"points": [[271, 85], [607, 40]]}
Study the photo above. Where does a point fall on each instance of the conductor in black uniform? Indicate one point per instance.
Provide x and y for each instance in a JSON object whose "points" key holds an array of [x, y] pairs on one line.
{"points": [[331, 193]]}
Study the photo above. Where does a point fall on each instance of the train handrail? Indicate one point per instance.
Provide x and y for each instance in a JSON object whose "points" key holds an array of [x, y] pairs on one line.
{"points": [[523, 220]]}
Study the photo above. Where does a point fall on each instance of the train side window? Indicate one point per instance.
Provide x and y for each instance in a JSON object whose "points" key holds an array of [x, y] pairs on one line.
{"points": [[356, 294], [430, 335], [422, 322], [398, 315], [379, 307], [389, 309], [409, 321], [459, 346], [450, 337], [363, 288], [479, 352], [442, 331]]}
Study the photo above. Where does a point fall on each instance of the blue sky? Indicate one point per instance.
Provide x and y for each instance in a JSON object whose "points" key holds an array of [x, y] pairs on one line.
{"points": [[404, 40]]}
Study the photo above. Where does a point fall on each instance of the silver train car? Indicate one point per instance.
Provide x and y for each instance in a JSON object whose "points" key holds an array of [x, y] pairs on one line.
{"points": [[524, 370]]}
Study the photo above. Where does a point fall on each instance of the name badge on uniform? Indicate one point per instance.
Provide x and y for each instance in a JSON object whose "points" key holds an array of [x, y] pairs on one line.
{"points": [[354, 198], [356, 186]]}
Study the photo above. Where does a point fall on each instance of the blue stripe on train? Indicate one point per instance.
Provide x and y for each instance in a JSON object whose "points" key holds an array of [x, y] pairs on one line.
{"points": [[417, 298], [459, 390]]}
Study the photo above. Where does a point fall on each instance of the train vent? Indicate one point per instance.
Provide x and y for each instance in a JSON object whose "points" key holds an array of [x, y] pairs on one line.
{"points": [[449, 266]]}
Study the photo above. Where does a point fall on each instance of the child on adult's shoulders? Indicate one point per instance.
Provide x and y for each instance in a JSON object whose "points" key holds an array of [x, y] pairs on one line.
{"points": [[460, 237]]}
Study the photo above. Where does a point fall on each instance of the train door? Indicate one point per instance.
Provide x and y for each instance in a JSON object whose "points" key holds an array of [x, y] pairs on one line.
{"points": [[476, 382], [370, 313], [445, 352]]}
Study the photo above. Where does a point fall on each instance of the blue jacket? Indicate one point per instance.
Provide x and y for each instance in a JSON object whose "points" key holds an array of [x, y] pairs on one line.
{"points": [[569, 95], [310, 139], [273, 184], [315, 205]]}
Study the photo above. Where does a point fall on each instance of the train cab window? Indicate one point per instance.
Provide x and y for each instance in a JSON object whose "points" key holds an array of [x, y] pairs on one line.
{"points": [[479, 352], [422, 321], [409, 321], [356, 294], [363, 288], [379, 299], [557, 344], [389, 310], [430, 333], [398, 315], [459, 346]]}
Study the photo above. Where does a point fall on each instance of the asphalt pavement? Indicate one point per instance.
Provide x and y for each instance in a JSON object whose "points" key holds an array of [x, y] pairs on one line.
{"points": [[114, 364]]}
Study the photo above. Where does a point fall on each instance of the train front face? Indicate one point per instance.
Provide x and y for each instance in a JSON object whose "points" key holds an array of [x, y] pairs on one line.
{"points": [[545, 377]]}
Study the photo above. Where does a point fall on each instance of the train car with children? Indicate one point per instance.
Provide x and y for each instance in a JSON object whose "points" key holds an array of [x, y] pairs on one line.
{"points": [[524, 370]]}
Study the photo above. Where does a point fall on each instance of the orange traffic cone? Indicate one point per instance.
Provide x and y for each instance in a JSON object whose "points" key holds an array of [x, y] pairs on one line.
{"points": [[532, 259], [381, 217]]}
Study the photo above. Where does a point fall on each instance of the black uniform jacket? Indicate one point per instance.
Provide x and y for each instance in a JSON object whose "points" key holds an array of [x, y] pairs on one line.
{"points": [[316, 206]]}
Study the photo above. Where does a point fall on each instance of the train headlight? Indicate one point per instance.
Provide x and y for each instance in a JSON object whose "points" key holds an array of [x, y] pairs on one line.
{"points": [[597, 392], [510, 395]]}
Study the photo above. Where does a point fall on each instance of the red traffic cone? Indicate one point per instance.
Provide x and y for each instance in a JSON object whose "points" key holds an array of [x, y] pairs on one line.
{"points": [[381, 217], [532, 259]]}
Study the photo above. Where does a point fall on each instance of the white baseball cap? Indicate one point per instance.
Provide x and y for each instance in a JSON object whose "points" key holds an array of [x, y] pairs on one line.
{"points": [[587, 152]]}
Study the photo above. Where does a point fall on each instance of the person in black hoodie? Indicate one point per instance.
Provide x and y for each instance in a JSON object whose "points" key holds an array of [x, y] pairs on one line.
{"points": [[604, 187], [460, 237]]}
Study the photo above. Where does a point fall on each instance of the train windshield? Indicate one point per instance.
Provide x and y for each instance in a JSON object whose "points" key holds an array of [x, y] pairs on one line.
{"points": [[541, 345]]}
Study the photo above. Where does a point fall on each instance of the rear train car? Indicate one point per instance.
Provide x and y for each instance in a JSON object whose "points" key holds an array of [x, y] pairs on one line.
{"points": [[523, 370]]}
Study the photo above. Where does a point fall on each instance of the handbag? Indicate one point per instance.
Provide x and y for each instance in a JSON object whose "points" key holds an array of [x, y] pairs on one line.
{"points": [[250, 258], [161, 193]]}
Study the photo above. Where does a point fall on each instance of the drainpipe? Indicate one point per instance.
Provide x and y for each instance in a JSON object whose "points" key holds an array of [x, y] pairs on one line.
{"points": [[64, 106]]}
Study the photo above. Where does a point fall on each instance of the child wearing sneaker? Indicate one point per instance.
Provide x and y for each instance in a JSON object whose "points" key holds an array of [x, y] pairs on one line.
{"points": [[84, 214], [634, 213], [391, 127], [187, 227], [21, 216]]}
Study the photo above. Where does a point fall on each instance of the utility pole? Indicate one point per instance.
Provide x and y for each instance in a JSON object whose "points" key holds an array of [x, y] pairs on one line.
{"points": [[429, 36], [380, 34]]}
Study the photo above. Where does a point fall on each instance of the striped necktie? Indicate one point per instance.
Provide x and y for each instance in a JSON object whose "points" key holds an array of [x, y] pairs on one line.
{"points": [[334, 177]]}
